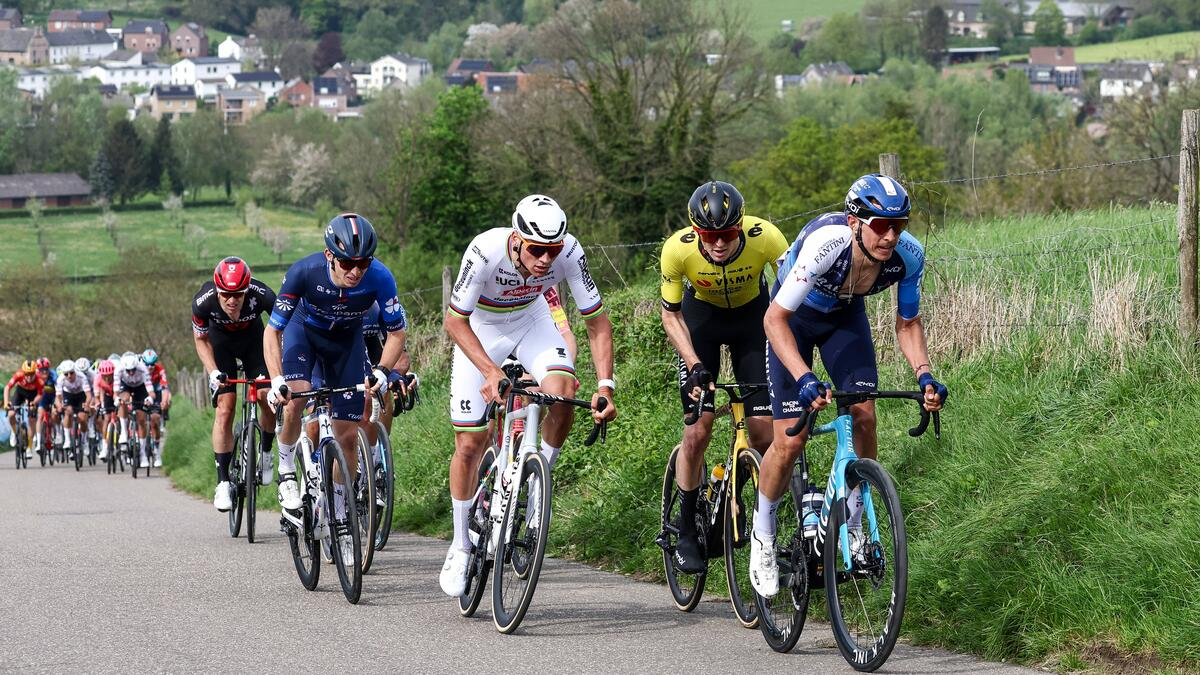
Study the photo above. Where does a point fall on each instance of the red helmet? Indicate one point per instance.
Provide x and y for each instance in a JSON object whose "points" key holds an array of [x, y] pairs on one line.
{"points": [[232, 275], [43, 363], [106, 367]]}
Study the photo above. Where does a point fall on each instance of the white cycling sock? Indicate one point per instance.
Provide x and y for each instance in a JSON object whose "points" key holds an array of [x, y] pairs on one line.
{"points": [[287, 457], [462, 510], [764, 516], [550, 453], [339, 501], [855, 503]]}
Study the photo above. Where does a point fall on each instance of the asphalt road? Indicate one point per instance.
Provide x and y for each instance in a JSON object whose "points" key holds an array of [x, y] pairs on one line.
{"points": [[105, 574]]}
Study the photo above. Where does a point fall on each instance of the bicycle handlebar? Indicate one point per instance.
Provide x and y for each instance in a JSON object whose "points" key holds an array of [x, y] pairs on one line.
{"points": [[507, 389], [847, 398], [736, 390]]}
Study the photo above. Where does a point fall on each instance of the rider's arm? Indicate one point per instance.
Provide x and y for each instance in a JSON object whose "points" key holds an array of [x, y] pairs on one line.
{"points": [[205, 351], [671, 295], [457, 324], [783, 340], [910, 331], [7, 388], [459, 329], [395, 354], [680, 337], [272, 351], [290, 294]]}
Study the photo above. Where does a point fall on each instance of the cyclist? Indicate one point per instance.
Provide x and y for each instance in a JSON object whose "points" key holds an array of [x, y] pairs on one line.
{"points": [[24, 388], [162, 393], [131, 386], [74, 396], [714, 293], [47, 413], [837, 259], [317, 320], [226, 328], [103, 395], [504, 273]]}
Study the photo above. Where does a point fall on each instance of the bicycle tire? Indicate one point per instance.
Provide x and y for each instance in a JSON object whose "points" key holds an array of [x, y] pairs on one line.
{"points": [[889, 602], [781, 617], [135, 458], [306, 548], [111, 439], [480, 563], [77, 448], [364, 500], [737, 535], [508, 613], [237, 477], [151, 452], [384, 529], [349, 576], [686, 589], [250, 442]]}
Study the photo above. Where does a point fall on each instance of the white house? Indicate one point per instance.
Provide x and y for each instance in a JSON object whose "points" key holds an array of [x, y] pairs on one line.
{"points": [[37, 81], [192, 71], [145, 76], [267, 81], [79, 45], [241, 49], [409, 70], [1119, 80]]}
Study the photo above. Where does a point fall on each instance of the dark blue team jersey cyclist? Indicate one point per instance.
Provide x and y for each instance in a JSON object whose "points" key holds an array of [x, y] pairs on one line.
{"points": [[323, 324]]}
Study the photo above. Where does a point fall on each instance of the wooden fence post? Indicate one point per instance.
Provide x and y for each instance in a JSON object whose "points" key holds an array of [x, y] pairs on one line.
{"points": [[447, 285], [1185, 219], [889, 165]]}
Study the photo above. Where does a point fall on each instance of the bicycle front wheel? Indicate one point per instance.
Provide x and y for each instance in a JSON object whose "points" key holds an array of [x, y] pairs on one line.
{"points": [[739, 519], [237, 476], [686, 589], [77, 448], [866, 569], [364, 500], [251, 439], [347, 526], [522, 543], [302, 539], [385, 487], [781, 617], [479, 524]]}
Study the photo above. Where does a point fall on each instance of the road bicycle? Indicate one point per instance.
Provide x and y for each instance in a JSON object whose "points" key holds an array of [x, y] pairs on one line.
{"points": [[314, 525], [864, 570], [509, 520], [20, 430], [43, 441], [244, 472], [721, 513], [112, 434], [382, 461]]}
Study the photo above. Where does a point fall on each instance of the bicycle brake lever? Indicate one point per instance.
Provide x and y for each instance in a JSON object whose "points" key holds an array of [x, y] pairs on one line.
{"points": [[923, 424], [937, 425], [802, 423]]}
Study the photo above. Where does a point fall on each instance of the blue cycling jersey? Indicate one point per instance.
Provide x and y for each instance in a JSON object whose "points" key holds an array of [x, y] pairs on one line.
{"points": [[307, 287], [373, 325]]}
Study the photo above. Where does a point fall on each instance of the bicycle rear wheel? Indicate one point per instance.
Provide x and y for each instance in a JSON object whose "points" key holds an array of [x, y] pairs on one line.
{"points": [[480, 525], [364, 500], [251, 438], [686, 589], [302, 540], [867, 596], [237, 476], [781, 617], [740, 501], [349, 575], [385, 487], [521, 544]]}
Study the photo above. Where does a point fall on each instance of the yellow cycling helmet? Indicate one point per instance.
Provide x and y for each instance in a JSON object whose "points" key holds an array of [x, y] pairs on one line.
{"points": [[28, 367]]}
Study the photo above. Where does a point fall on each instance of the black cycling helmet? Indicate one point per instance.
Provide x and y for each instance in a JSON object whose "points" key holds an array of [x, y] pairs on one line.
{"points": [[350, 236], [716, 205]]}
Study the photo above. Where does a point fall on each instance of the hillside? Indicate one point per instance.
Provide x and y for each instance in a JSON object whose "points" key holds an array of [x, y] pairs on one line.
{"points": [[1159, 47], [763, 17]]}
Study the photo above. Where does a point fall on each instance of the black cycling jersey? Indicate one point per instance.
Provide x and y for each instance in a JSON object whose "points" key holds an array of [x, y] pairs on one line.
{"points": [[208, 313]]}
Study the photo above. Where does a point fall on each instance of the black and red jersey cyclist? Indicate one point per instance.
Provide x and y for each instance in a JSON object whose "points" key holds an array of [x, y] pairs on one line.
{"points": [[25, 387], [227, 328]]}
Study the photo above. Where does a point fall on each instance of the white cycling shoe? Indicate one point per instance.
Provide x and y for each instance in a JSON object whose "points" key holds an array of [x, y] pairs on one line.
{"points": [[103, 452], [453, 578], [289, 492], [764, 569], [158, 461], [267, 468], [346, 545], [223, 499]]}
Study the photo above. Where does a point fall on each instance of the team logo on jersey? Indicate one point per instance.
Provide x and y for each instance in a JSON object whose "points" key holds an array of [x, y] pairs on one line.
{"points": [[755, 231], [392, 306], [207, 294]]}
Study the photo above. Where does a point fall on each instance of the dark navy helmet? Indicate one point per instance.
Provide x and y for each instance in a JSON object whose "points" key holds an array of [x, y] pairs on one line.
{"points": [[877, 195], [716, 205], [350, 236]]}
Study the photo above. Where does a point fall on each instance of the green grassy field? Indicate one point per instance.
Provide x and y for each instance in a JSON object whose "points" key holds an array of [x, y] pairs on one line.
{"points": [[763, 16], [1159, 47], [81, 245]]}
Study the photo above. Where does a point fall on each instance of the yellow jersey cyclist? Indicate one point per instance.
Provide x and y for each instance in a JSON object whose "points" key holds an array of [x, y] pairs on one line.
{"points": [[817, 303], [714, 293]]}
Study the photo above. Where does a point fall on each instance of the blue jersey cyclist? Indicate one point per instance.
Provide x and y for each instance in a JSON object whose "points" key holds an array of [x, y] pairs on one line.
{"points": [[318, 319], [817, 303]]}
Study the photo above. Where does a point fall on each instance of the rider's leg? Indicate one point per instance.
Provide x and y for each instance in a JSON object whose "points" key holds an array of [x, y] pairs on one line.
{"points": [[222, 433], [12, 424], [266, 425], [464, 479]]}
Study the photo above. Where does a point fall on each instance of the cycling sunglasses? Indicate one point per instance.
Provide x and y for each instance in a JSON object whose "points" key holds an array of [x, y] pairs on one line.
{"points": [[225, 295], [539, 250], [348, 264], [881, 224], [713, 236]]}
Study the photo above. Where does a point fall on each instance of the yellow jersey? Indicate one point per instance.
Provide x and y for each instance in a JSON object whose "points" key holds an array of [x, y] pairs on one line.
{"points": [[731, 284]]}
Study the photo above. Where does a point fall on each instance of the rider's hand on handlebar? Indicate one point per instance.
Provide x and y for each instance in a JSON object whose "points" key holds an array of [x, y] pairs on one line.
{"points": [[215, 379], [813, 394], [380, 376], [698, 380], [491, 387], [610, 411], [935, 392], [279, 392]]}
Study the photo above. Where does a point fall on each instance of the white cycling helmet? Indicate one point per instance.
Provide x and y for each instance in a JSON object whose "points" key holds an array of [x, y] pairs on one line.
{"points": [[65, 367], [129, 361], [114, 357], [82, 364], [539, 218]]}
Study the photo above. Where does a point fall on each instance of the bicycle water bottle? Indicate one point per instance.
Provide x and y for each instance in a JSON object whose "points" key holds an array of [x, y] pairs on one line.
{"points": [[811, 502], [718, 475]]}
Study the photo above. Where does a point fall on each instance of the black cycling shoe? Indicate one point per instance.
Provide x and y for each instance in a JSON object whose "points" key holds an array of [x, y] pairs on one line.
{"points": [[688, 557]]}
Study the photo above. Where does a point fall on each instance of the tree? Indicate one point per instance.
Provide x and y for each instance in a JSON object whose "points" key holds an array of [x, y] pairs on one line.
{"points": [[374, 36], [1050, 28], [162, 166], [209, 152], [838, 40], [328, 52], [1002, 24], [100, 177], [296, 60], [277, 29], [934, 30], [13, 115], [127, 156], [320, 16]]}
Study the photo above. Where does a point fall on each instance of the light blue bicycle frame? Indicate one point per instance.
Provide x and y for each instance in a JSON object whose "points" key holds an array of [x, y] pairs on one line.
{"points": [[836, 489]]}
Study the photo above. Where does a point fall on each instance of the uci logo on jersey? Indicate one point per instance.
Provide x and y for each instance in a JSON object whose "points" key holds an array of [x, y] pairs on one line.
{"points": [[501, 281]]}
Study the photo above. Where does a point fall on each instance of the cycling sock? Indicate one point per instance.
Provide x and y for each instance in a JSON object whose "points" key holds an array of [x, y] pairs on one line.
{"points": [[764, 516], [462, 510], [287, 457], [550, 453], [268, 437], [687, 510], [855, 504], [339, 501], [223, 460]]}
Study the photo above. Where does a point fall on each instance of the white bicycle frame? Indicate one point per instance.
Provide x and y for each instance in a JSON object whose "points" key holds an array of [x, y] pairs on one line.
{"points": [[506, 458]]}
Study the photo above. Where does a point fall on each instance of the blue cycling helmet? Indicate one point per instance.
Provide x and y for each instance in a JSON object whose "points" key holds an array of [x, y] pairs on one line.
{"points": [[877, 195], [149, 357], [350, 236]]}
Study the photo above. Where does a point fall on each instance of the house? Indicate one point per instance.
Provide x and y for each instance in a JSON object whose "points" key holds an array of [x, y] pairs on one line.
{"points": [[462, 72], [238, 106], [24, 47], [127, 57], [241, 49], [785, 83], [190, 71], [327, 95], [1118, 80], [409, 70], [145, 76], [37, 81], [498, 84], [1076, 15], [834, 72], [76, 19], [189, 40], [1052, 56], [967, 18], [54, 189], [10, 17], [172, 101], [298, 94], [1051, 70], [349, 77], [80, 45], [267, 81], [145, 35], [957, 55]]}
